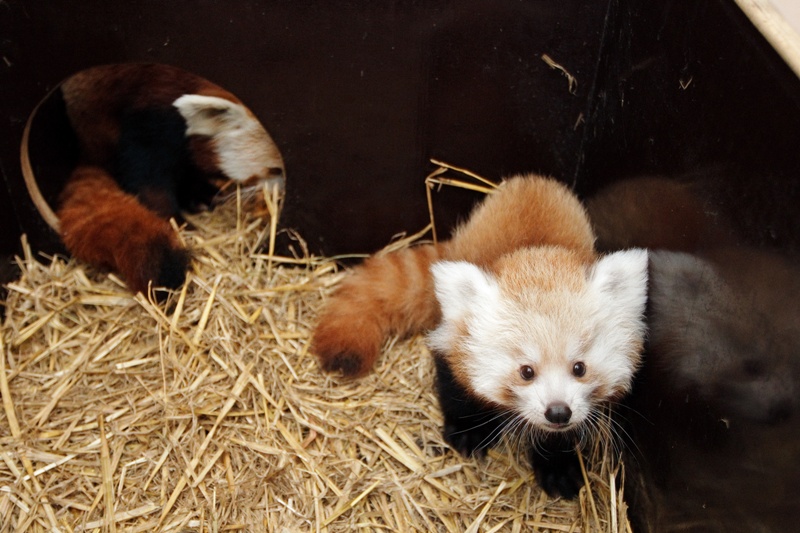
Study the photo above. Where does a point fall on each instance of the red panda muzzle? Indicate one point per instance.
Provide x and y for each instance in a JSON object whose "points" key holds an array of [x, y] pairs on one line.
{"points": [[558, 413]]}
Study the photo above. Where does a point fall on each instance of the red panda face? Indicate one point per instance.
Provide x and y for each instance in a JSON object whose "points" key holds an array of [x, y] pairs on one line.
{"points": [[242, 148], [546, 336]]}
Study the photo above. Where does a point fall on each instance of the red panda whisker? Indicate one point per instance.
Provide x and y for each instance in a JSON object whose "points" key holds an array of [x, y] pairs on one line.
{"points": [[596, 429], [618, 406], [536, 436], [483, 422], [495, 435], [624, 438], [517, 430], [609, 432], [513, 436]]}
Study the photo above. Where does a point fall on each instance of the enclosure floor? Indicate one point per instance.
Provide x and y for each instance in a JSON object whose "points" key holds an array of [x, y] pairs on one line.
{"points": [[209, 414]]}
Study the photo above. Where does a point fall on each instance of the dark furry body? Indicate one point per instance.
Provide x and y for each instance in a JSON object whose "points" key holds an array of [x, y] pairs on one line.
{"points": [[472, 426], [137, 169], [718, 440], [153, 162], [713, 439], [152, 165]]}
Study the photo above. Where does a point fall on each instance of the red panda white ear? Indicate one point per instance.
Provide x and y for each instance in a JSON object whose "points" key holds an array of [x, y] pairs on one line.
{"points": [[461, 287], [210, 115], [620, 279]]}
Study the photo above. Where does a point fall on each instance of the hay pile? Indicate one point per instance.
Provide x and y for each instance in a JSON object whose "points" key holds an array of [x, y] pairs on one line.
{"points": [[208, 413]]}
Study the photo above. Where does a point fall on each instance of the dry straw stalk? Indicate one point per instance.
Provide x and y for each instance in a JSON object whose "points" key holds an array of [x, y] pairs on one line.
{"points": [[208, 413]]}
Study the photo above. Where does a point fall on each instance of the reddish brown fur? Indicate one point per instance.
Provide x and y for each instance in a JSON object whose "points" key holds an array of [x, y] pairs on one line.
{"points": [[525, 211], [548, 268], [393, 294], [204, 155], [97, 97], [108, 228], [389, 293]]}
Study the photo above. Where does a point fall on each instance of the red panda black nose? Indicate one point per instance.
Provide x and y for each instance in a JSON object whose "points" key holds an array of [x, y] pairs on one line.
{"points": [[558, 413]]}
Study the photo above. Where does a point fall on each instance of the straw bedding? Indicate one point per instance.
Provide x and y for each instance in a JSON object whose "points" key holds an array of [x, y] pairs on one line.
{"points": [[208, 413]]}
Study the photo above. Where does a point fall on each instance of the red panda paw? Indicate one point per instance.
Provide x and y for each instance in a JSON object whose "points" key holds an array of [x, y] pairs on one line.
{"points": [[157, 262], [347, 346]]}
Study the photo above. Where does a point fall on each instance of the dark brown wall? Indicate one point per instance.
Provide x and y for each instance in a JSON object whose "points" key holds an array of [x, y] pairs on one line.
{"points": [[690, 91], [691, 88], [358, 95]]}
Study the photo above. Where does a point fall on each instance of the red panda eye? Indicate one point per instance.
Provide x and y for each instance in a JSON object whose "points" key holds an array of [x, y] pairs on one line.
{"points": [[578, 369], [526, 372]]}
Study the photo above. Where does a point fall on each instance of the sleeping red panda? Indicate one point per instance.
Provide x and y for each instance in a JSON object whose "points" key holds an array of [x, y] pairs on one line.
{"points": [[155, 140], [657, 213], [532, 330]]}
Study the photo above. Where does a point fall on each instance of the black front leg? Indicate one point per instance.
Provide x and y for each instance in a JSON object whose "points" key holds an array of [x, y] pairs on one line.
{"points": [[556, 466], [470, 426]]}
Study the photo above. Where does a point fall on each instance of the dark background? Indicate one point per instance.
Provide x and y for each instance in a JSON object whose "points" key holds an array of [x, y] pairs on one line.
{"points": [[359, 96]]}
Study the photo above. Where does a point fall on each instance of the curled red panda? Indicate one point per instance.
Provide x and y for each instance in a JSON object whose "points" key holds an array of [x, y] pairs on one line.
{"points": [[154, 140], [531, 329]]}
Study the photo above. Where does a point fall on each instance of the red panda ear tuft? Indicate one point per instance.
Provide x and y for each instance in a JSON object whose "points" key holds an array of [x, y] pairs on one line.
{"points": [[210, 115], [461, 287], [620, 279], [620, 271]]}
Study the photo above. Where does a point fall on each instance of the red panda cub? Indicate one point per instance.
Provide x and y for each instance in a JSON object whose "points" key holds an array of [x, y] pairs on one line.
{"points": [[154, 140], [532, 331]]}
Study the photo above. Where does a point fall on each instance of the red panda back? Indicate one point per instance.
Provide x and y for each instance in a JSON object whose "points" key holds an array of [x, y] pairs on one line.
{"points": [[96, 99], [393, 294], [523, 211]]}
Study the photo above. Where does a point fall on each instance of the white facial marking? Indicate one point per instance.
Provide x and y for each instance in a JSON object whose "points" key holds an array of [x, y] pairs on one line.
{"points": [[601, 326], [465, 292], [244, 148]]}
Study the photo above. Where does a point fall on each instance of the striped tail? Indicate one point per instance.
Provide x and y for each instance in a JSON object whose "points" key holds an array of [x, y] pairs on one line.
{"points": [[389, 294], [109, 229]]}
